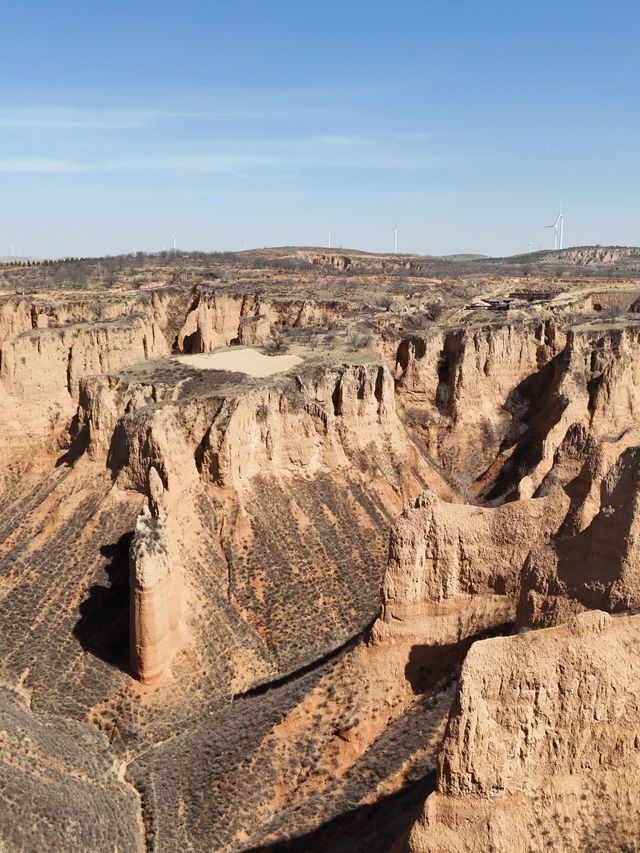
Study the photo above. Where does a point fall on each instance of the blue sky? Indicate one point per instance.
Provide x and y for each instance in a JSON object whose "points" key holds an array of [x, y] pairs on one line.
{"points": [[270, 123]]}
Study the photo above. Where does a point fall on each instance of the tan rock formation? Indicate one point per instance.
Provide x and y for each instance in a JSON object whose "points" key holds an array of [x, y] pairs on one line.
{"points": [[156, 589], [219, 319], [254, 331], [243, 466], [458, 566], [496, 404], [594, 390], [15, 318], [49, 363], [589, 255], [214, 321], [593, 562], [53, 310], [466, 391], [541, 750], [333, 419]]}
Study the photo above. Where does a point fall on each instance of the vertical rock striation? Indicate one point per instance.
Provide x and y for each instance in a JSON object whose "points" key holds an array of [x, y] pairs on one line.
{"points": [[458, 566], [542, 747], [156, 590]]}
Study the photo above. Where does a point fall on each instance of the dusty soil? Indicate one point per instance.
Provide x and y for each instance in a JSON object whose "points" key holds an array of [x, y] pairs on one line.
{"points": [[244, 360]]}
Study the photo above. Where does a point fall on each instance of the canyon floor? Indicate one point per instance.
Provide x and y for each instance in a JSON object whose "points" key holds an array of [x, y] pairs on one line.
{"points": [[321, 551]]}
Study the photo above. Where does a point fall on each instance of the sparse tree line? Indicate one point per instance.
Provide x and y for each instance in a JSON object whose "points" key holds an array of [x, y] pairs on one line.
{"points": [[44, 262]]}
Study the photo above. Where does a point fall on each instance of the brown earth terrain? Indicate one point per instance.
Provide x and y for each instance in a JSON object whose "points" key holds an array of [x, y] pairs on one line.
{"points": [[320, 551]]}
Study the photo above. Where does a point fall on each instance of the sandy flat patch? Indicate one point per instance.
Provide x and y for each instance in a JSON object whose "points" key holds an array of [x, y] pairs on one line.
{"points": [[244, 360]]}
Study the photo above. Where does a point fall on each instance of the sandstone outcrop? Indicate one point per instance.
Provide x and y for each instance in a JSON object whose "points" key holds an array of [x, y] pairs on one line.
{"points": [[467, 392], [18, 314], [589, 255], [593, 561], [340, 262], [49, 343], [218, 319], [246, 465], [48, 363], [156, 589], [454, 569], [337, 418], [541, 750], [501, 400], [594, 389]]}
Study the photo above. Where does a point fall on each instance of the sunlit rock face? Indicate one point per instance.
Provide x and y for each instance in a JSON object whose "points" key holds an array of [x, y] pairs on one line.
{"points": [[542, 744]]}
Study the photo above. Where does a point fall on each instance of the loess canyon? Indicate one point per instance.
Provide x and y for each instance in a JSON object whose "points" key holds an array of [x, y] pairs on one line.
{"points": [[304, 551]]}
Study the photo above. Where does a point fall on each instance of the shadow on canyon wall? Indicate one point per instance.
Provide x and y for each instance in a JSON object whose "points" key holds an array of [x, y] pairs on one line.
{"points": [[367, 829], [103, 627]]}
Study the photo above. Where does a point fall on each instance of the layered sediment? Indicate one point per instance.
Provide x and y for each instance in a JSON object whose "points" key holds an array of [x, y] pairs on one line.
{"points": [[156, 586], [220, 319], [455, 570], [541, 749], [328, 436]]}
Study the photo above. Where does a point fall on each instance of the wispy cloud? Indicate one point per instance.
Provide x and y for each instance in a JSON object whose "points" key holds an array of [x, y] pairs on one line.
{"points": [[342, 141], [71, 118], [77, 119], [248, 156], [42, 165], [321, 153]]}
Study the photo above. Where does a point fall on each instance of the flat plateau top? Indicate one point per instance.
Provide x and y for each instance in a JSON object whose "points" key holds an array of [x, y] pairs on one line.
{"points": [[245, 360]]}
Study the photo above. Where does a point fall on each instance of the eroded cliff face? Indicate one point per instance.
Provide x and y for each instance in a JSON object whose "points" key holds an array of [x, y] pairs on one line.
{"points": [[325, 448], [337, 418], [541, 749], [536, 733], [47, 364], [468, 392], [319, 460], [494, 405], [219, 319], [24, 313], [593, 561], [50, 343], [454, 570], [594, 389], [591, 451]]}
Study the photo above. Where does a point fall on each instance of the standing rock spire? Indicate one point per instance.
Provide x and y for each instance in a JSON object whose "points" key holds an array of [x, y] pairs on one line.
{"points": [[155, 585]]}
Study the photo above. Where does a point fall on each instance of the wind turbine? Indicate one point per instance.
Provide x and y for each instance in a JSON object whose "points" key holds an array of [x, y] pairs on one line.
{"points": [[395, 240], [558, 231], [173, 237], [530, 245]]}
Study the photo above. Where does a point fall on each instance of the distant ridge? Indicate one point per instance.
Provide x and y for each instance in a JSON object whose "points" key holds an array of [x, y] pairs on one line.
{"points": [[579, 255], [463, 256]]}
